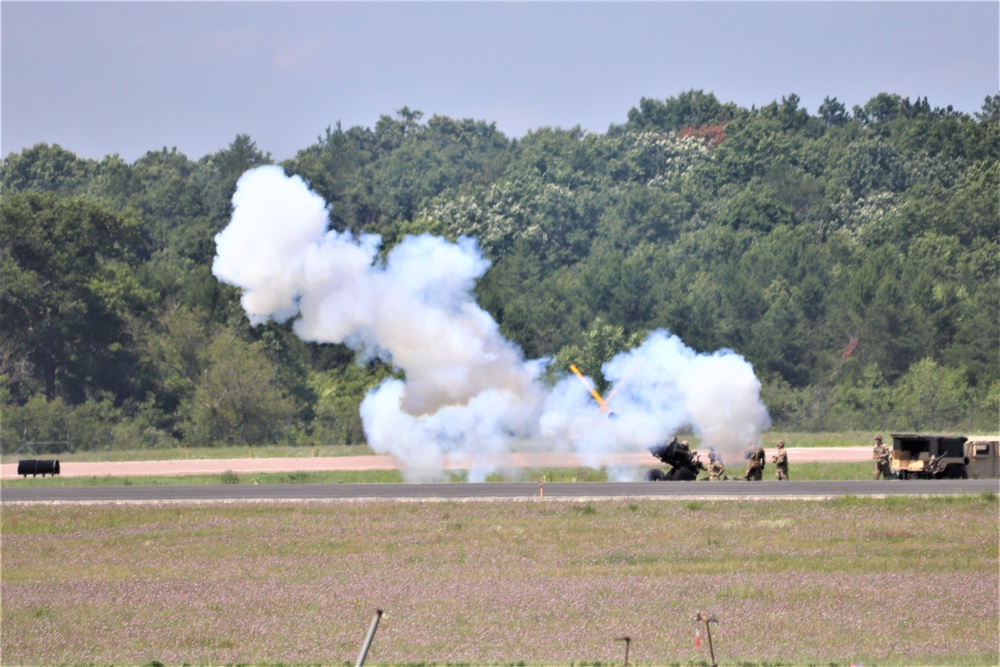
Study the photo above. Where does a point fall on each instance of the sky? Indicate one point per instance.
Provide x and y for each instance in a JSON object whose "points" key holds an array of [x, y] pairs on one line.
{"points": [[100, 78]]}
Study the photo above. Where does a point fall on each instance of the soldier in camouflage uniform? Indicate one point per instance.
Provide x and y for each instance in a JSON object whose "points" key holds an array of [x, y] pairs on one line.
{"points": [[881, 455], [932, 465], [716, 470], [755, 463], [781, 461]]}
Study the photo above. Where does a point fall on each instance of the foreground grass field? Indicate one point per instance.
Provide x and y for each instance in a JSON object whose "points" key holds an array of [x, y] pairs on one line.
{"points": [[880, 582]]}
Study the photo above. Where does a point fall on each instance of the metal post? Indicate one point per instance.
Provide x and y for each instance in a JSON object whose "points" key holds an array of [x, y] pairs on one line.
{"points": [[368, 639], [707, 619], [711, 649], [627, 640]]}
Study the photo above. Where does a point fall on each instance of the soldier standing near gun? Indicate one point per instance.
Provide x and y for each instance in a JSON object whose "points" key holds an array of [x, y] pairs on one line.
{"points": [[881, 455], [755, 463], [781, 461]]}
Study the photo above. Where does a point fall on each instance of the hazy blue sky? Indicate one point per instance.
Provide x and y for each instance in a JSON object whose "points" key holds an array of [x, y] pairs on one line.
{"points": [[127, 77]]}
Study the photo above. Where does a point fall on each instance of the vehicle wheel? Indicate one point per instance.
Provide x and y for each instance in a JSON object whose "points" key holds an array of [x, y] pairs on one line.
{"points": [[955, 472], [654, 475]]}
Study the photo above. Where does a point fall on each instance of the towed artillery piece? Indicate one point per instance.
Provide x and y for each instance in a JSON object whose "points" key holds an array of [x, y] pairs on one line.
{"points": [[684, 466]]}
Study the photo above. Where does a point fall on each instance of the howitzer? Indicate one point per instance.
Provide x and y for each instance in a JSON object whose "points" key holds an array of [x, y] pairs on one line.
{"points": [[684, 466]]}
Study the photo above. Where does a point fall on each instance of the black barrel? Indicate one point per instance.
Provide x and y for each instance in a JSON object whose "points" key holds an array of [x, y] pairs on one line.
{"points": [[40, 467]]}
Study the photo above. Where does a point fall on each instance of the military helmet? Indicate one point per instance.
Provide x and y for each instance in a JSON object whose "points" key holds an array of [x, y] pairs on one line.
{"points": [[879, 437], [781, 443]]}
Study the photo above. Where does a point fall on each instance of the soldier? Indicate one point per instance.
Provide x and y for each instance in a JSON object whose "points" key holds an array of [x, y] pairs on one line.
{"points": [[716, 470], [881, 455], [755, 463], [781, 461], [932, 465]]}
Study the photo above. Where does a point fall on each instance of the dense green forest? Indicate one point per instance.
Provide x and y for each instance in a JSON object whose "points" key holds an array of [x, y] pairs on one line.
{"points": [[850, 256]]}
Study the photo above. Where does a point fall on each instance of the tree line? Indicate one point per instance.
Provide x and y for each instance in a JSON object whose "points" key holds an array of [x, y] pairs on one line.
{"points": [[851, 257]]}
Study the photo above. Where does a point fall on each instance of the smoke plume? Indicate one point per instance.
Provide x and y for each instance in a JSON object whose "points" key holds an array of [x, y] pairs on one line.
{"points": [[467, 391]]}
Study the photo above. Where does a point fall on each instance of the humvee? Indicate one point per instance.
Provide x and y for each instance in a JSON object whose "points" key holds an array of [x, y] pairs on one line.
{"points": [[926, 456], [983, 453]]}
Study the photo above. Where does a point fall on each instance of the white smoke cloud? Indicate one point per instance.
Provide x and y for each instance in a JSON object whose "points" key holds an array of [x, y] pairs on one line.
{"points": [[468, 392]]}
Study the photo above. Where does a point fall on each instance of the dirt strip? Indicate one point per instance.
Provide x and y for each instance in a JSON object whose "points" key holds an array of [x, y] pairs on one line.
{"points": [[313, 464]]}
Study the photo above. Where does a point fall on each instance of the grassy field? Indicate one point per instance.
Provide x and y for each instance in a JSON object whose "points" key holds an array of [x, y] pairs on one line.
{"points": [[880, 582], [800, 472]]}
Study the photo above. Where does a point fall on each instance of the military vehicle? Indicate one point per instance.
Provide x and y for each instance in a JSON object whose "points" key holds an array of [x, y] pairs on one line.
{"points": [[684, 466], [929, 456], [983, 453]]}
